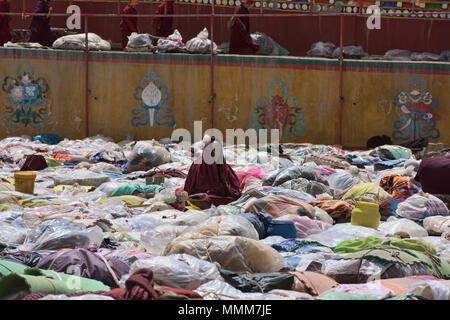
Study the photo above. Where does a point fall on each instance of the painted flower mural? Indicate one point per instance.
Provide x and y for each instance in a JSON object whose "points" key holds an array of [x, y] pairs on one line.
{"points": [[419, 116], [278, 111], [153, 108], [26, 101]]}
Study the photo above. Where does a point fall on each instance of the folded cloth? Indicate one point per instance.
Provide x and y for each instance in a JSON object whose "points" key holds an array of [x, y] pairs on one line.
{"points": [[389, 164], [139, 286], [34, 163]]}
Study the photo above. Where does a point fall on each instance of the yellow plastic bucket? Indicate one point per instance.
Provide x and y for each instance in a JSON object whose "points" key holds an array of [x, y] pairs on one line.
{"points": [[366, 214], [24, 181]]}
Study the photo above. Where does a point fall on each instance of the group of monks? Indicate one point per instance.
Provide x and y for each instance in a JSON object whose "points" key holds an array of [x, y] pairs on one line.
{"points": [[240, 39]]}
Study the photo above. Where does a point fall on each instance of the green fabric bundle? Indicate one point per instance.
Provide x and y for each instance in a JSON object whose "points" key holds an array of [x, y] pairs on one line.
{"points": [[18, 280], [130, 189], [387, 254], [355, 245]]}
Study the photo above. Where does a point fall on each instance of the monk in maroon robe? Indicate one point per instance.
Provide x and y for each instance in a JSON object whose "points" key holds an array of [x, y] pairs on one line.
{"points": [[40, 25], [213, 176], [5, 31], [129, 24], [163, 25], [240, 40]]}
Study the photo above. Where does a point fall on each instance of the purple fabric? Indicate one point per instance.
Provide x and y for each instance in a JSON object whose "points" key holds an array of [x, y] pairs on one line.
{"points": [[434, 175], [5, 31], [40, 26], [34, 163], [91, 265]]}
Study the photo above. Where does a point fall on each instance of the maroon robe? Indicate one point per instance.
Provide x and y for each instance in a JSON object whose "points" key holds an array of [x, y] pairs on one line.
{"points": [[129, 24], [434, 175], [201, 179], [5, 31], [163, 25], [40, 26], [240, 40]]}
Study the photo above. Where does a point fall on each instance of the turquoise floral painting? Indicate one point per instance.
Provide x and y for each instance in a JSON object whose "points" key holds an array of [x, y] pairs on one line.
{"points": [[26, 101]]}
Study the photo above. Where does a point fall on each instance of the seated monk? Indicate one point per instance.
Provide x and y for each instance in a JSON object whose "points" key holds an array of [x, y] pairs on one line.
{"points": [[214, 177]]}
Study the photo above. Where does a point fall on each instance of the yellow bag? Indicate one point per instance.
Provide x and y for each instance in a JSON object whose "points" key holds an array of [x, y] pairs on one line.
{"points": [[366, 214]]}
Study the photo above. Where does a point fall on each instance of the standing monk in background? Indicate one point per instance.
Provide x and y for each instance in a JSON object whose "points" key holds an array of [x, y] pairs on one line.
{"points": [[163, 25], [129, 24], [5, 31], [40, 25], [240, 40]]}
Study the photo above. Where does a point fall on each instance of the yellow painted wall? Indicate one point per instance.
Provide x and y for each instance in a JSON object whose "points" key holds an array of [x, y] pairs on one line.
{"points": [[114, 77]]}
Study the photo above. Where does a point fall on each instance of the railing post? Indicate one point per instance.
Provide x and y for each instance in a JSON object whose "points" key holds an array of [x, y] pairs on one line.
{"points": [[341, 73], [86, 77], [212, 97]]}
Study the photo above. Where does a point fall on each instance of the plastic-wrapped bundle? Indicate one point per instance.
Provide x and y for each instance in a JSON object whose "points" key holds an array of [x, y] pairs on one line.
{"points": [[420, 206], [426, 56], [83, 177], [178, 271], [236, 254], [403, 227], [341, 183], [140, 41], [11, 234], [350, 52], [436, 225], [281, 176], [173, 43], [266, 44], [78, 42], [156, 239], [61, 233], [304, 225], [343, 231], [445, 55], [146, 156], [222, 226], [201, 43], [368, 192], [321, 49], [396, 54]]}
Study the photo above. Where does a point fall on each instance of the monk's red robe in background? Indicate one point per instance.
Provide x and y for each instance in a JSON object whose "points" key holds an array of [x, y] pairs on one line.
{"points": [[40, 26], [128, 24], [5, 31], [163, 25], [240, 40]]}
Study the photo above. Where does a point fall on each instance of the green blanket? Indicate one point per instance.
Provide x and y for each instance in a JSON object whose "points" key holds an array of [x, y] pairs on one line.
{"points": [[349, 246], [130, 189]]}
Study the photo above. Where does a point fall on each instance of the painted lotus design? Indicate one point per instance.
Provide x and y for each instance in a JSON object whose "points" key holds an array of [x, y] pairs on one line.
{"points": [[153, 99], [278, 111]]}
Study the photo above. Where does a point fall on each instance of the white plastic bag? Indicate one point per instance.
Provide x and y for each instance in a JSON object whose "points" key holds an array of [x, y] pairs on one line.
{"points": [[236, 254], [304, 225], [436, 225], [172, 43], [403, 226], [344, 231], [178, 271], [222, 226], [156, 239], [422, 205], [78, 42], [140, 41], [201, 43]]}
